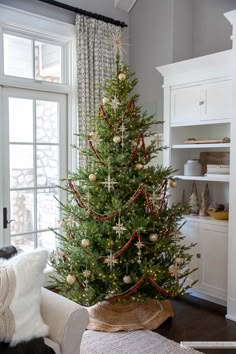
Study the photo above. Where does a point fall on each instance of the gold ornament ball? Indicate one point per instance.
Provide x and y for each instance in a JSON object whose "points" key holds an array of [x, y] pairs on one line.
{"points": [[70, 279], [173, 184], [62, 223], [92, 133], [139, 166], [105, 100], [127, 279], [92, 177], [122, 77], [85, 242], [117, 139], [153, 237]]}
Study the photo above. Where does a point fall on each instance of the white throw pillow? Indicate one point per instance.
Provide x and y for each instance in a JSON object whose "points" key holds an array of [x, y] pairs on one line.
{"points": [[21, 278]]}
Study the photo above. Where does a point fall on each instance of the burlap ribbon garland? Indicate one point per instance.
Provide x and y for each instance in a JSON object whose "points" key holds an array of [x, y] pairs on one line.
{"points": [[7, 291]]}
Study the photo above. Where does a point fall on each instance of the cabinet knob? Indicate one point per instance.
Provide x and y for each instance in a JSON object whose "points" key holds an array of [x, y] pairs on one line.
{"points": [[198, 255], [201, 103]]}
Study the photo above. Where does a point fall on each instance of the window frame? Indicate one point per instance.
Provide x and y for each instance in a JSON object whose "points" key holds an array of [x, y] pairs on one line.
{"points": [[20, 23]]}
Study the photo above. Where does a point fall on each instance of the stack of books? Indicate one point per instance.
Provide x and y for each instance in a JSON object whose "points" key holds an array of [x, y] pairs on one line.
{"points": [[217, 170]]}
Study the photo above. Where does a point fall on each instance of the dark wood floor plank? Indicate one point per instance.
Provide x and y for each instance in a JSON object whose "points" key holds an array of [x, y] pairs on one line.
{"points": [[199, 320]]}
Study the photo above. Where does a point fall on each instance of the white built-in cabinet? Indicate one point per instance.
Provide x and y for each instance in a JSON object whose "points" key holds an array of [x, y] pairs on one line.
{"points": [[202, 103], [198, 103]]}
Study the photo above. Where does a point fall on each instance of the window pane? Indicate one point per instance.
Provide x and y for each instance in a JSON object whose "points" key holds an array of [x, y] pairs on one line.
{"points": [[20, 120], [47, 165], [21, 166], [47, 240], [47, 62], [22, 211], [24, 242], [47, 208], [47, 122], [18, 56]]}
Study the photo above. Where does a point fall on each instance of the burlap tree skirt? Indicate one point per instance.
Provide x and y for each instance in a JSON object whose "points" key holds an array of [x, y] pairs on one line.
{"points": [[129, 316]]}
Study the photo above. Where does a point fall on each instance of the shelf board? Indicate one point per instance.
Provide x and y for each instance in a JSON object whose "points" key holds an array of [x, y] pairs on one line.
{"points": [[205, 219], [213, 178], [200, 146]]}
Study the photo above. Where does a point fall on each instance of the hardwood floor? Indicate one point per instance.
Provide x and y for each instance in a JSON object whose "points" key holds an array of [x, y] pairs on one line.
{"points": [[199, 320]]}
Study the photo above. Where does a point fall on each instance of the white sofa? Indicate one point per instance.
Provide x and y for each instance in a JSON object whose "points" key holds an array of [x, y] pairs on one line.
{"points": [[66, 320]]}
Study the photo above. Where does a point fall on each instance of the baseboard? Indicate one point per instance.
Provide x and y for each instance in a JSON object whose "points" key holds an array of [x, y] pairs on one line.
{"points": [[230, 317], [231, 309], [207, 297]]}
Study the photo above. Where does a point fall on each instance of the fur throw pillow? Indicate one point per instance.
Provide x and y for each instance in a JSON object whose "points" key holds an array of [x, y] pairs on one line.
{"points": [[21, 278]]}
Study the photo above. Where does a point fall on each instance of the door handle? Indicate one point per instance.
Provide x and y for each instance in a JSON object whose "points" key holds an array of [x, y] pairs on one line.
{"points": [[5, 221]]}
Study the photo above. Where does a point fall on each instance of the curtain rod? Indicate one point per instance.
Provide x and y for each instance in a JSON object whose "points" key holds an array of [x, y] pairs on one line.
{"points": [[85, 13]]}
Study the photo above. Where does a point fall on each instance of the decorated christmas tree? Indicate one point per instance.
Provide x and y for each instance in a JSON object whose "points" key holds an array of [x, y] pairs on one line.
{"points": [[119, 237]]}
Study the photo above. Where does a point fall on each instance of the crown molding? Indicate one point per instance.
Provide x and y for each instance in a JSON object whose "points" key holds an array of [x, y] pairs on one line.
{"points": [[125, 5]]}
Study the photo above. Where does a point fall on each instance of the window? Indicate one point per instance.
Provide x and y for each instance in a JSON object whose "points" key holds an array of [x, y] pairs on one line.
{"points": [[35, 98], [27, 58]]}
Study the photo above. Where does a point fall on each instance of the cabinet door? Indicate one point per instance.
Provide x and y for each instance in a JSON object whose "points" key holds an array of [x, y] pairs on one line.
{"points": [[185, 105], [190, 231], [216, 101], [213, 244]]}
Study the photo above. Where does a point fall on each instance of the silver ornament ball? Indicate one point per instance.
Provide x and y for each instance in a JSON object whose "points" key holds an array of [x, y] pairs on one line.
{"points": [[92, 177], [153, 237], [70, 279], [85, 242], [117, 139], [127, 279], [139, 166]]}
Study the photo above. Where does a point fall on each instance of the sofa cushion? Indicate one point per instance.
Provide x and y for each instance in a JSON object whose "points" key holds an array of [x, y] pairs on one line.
{"points": [[21, 278]]}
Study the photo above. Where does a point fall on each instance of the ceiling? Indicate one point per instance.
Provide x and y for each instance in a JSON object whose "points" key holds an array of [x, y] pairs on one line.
{"points": [[75, 3]]}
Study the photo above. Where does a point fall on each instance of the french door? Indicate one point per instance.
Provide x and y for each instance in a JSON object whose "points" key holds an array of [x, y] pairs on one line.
{"points": [[33, 158]]}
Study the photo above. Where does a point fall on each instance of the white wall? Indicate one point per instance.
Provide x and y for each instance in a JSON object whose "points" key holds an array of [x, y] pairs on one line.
{"points": [[211, 30]]}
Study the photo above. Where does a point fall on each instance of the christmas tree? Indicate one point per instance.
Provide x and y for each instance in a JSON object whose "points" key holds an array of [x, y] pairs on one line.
{"points": [[120, 239]]}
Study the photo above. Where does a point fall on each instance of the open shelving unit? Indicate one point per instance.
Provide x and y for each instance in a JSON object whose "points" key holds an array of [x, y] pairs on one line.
{"points": [[198, 106]]}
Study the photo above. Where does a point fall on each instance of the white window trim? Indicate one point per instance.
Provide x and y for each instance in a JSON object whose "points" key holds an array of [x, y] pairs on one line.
{"points": [[23, 22]]}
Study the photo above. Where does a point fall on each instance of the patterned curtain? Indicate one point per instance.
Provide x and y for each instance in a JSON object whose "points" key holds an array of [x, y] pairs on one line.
{"points": [[95, 64]]}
